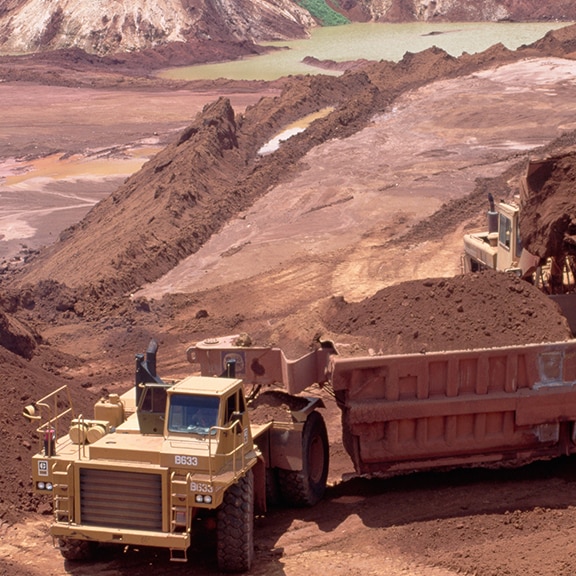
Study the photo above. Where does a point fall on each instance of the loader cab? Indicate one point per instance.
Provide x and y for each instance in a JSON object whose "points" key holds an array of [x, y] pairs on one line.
{"points": [[193, 413], [499, 247]]}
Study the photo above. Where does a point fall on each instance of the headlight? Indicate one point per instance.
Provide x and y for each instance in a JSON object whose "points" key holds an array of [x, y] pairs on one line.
{"points": [[41, 486], [48, 485], [203, 499]]}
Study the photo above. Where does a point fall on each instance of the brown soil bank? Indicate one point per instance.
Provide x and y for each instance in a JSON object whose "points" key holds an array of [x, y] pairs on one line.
{"points": [[462, 11], [213, 171], [548, 208]]}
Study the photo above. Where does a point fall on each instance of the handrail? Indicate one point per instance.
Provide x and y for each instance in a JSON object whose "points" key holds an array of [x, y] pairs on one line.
{"points": [[49, 403], [58, 497], [83, 442], [232, 453]]}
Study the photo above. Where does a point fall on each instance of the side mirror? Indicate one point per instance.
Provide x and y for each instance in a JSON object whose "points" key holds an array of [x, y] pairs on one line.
{"points": [[236, 418]]}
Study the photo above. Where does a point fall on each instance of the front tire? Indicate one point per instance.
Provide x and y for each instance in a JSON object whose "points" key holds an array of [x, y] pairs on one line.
{"points": [[306, 487], [77, 550], [235, 526]]}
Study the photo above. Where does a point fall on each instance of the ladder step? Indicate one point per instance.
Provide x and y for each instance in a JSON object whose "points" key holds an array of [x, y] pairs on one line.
{"points": [[178, 555]]}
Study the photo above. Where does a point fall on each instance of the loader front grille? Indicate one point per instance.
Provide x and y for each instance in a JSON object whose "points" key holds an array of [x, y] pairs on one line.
{"points": [[121, 499]]}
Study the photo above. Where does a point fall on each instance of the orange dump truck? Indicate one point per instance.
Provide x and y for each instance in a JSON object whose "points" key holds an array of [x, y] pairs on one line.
{"points": [[508, 405]]}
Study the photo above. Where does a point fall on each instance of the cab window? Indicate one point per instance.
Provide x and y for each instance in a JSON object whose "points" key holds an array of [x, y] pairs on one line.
{"points": [[234, 403], [192, 413], [505, 231]]}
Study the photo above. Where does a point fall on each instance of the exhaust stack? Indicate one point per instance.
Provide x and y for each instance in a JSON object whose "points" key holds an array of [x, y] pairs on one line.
{"points": [[492, 216]]}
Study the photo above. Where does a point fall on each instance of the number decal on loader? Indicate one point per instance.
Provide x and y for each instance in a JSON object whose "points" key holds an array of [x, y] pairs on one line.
{"points": [[42, 467], [186, 460]]}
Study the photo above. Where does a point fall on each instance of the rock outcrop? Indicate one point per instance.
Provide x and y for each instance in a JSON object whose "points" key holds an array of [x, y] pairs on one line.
{"points": [[110, 27], [456, 10]]}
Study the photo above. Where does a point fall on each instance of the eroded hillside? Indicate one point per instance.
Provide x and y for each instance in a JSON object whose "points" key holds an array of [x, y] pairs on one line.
{"points": [[213, 171], [108, 27]]}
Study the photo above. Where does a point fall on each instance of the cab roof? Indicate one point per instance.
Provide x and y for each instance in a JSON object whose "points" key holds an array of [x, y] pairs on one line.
{"points": [[207, 385]]}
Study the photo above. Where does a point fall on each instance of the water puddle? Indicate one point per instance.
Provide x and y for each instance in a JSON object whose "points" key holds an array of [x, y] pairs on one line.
{"points": [[62, 167], [292, 129], [39, 197]]}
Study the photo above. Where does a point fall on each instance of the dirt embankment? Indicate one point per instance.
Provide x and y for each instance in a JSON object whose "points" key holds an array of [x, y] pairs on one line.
{"points": [[548, 208], [212, 172]]}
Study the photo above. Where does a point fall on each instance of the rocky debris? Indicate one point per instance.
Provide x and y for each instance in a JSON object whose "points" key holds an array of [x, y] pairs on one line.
{"points": [[16, 337], [482, 310], [340, 66], [461, 11]]}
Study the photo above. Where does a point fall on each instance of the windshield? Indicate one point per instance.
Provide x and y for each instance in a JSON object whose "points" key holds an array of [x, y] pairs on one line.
{"points": [[192, 413]]}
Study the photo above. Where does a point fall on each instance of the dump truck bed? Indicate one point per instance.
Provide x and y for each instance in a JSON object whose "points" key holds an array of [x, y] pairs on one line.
{"points": [[503, 405], [471, 407]]}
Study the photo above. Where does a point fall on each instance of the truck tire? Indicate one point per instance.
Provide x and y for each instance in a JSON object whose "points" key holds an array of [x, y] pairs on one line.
{"points": [[306, 487], [76, 550], [235, 526]]}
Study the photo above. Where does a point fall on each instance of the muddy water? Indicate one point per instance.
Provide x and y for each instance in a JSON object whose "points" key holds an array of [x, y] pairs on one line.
{"points": [[371, 41], [292, 129], [59, 167], [58, 189]]}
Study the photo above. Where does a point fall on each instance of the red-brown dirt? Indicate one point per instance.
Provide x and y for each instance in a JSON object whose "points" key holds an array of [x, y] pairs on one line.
{"points": [[547, 218], [83, 331], [477, 311]]}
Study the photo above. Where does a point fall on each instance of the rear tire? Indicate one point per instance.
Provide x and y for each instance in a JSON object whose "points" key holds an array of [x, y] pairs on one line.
{"points": [[235, 526], [306, 487], [77, 550]]}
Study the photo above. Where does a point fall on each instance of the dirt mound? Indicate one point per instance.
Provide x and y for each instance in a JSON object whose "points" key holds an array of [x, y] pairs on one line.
{"points": [[470, 311], [187, 192], [17, 337], [548, 207], [274, 405], [21, 382]]}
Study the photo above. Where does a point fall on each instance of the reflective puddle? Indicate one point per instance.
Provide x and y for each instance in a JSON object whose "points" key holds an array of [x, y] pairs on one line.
{"points": [[292, 129], [62, 167]]}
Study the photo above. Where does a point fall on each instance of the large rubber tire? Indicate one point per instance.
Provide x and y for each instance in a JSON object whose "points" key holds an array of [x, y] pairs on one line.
{"points": [[306, 487], [77, 550], [235, 526]]}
